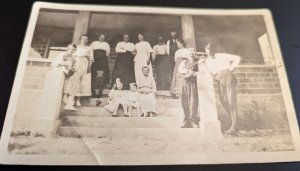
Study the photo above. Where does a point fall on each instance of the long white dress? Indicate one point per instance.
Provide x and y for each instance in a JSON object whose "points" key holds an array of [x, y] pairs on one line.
{"points": [[147, 88], [84, 56], [143, 50]]}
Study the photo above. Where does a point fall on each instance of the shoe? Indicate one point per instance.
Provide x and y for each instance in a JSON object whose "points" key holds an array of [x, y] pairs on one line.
{"points": [[126, 116], [65, 99], [70, 108], [231, 132], [78, 104], [187, 125], [195, 125], [98, 102]]}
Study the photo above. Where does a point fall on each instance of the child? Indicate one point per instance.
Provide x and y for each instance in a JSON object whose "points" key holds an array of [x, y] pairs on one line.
{"points": [[98, 85], [118, 80], [116, 98], [133, 99]]}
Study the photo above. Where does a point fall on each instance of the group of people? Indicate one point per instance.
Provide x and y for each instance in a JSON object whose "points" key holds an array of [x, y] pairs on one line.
{"points": [[176, 67], [83, 60], [220, 67], [141, 97]]}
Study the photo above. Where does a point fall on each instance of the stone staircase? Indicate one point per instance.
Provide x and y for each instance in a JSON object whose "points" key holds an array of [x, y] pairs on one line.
{"points": [[93, 121]]}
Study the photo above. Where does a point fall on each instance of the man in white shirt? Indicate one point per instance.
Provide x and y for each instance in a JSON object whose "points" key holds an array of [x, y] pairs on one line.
{"points": [[161, 62], [124, 65], [221, 66], [189, 92]]}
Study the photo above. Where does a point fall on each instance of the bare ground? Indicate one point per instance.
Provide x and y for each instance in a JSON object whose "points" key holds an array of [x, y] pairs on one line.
{"points": [[145, 145]]}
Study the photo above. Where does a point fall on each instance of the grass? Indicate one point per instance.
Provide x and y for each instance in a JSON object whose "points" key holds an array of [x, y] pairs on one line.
{"points": [[255, 141]]}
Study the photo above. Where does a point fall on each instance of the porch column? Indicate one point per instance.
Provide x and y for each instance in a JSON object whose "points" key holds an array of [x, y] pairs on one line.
{"points": [[50, 104], [266, 50], [209, 123], [188, 33], [82, 24]]}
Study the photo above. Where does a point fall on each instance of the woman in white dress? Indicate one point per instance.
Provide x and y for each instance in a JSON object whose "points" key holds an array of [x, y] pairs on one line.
{"points": [[180, 55], [84, 58], [142, 58], [147, 89]]}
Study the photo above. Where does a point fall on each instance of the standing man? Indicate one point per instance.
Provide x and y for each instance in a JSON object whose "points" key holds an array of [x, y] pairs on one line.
{"points": [[189, 95], [171, 49], [101, 54], [161, 62], [221, 66], [124, 65]]}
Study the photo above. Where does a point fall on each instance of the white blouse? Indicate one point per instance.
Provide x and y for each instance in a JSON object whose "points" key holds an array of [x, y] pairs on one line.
{"points": [[182, 53], [122, 47], [84, 51], [97, 45], [222, 61]]}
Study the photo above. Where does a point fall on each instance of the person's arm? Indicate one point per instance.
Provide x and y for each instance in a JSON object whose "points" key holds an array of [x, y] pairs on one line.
{"points": [[168, 47], [92, 45], [92, 55], [120, 49], [153, 85], [235, 61], [90, 59], [181, 68], [58, 61], [149, 51], [107, 49], [155, 52]]}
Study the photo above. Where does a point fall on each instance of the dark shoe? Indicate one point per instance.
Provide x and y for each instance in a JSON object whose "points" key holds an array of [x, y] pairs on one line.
{"points": [[174, 96], [126, 116], [98, 102]]}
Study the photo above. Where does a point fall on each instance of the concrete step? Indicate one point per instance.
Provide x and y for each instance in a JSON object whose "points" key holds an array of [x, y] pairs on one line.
{"points": [[159, 133], [120, 122], [168, 103], [164, 111]]}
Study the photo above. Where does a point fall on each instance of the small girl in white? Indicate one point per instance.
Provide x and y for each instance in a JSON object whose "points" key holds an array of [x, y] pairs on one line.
{"points": [[133, 99], [117, 97]]}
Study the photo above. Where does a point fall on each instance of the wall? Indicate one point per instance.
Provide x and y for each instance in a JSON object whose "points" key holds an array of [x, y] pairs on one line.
{"points": [[231, 34]]}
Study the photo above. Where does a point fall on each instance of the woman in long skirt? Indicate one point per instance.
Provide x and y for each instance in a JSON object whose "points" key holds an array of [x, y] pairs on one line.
{"points": [[124, 65], [142, 58], [101, 51], [181, 54], [84, 56]]}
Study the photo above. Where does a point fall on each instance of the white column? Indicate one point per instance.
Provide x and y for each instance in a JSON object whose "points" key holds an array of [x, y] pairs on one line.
{"points": [[209, 123], [82, 25], [266, 50], [50, 107], [188, 33]]}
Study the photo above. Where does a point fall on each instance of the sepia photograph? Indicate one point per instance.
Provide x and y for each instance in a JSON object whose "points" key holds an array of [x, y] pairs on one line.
{"points": [[120, 85]]}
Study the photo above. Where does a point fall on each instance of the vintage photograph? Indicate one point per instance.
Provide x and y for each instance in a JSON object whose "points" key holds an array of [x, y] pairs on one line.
{"points": [[113, 85]]}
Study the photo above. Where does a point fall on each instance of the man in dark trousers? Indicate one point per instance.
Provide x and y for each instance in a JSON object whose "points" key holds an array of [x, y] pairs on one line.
{"points": [[189, 94], [171, 49], [221, 66]]}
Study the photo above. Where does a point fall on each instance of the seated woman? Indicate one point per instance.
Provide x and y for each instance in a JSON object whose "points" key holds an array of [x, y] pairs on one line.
{"points": [[147, 89], [117, 97], [133, 99]]}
